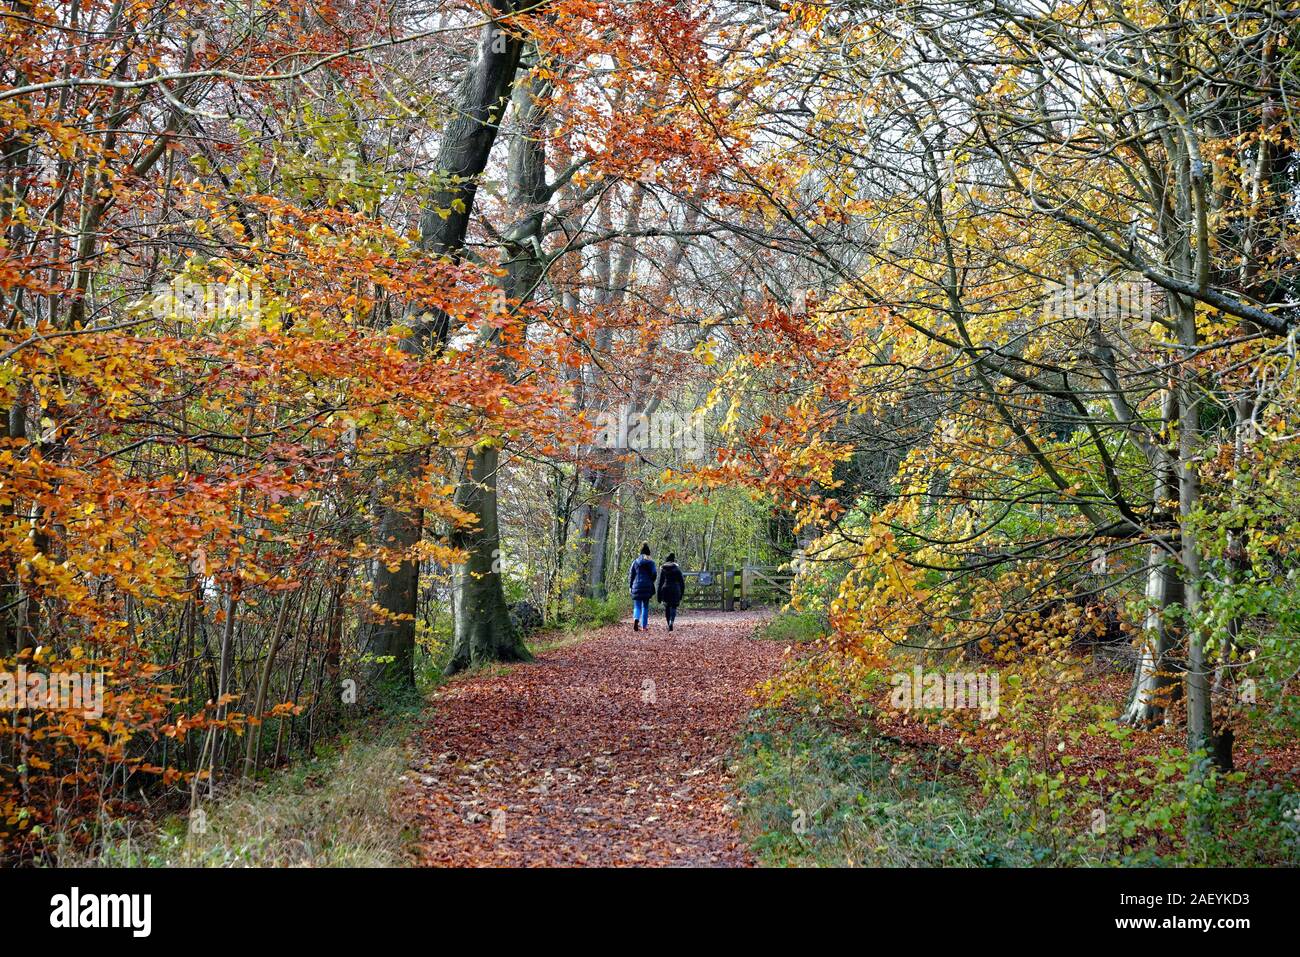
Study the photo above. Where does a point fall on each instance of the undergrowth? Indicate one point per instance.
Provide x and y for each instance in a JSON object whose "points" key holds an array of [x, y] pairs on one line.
{"points": [[816, 795], [330, 811]]}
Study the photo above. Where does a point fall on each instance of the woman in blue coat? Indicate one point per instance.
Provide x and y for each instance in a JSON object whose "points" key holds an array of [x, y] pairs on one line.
{"points": [[641, 582]]}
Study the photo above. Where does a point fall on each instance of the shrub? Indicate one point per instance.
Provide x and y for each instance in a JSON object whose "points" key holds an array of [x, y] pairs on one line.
{"points": [[598, 612], [795, 627]]}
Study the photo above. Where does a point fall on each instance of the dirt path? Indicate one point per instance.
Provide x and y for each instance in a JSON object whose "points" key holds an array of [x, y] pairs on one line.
{"points": [[608, 751]]}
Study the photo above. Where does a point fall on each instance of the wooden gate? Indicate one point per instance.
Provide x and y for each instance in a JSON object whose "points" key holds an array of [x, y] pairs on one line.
{"points": [[764, 584], [725, 589], [711, 589]]}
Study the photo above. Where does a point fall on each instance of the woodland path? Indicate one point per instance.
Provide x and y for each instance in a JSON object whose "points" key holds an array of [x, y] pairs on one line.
{"points": [[610, 750]]}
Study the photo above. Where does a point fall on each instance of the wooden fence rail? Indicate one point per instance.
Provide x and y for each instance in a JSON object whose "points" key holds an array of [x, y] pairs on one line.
{"points": [[725, 589]]}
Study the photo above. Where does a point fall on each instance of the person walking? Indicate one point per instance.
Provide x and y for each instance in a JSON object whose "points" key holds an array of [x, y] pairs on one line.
{"points": [[672, 586], [641, 582]]}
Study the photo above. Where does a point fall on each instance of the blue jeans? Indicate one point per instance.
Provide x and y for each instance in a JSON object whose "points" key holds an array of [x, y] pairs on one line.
{"points": [[641, 611]]}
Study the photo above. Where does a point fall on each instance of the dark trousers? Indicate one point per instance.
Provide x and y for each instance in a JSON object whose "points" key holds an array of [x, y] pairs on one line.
{"points": [[670, 612]]}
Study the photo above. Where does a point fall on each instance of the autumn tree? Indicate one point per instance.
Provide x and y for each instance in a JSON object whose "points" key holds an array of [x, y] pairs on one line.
{"points": [[968, 190]]}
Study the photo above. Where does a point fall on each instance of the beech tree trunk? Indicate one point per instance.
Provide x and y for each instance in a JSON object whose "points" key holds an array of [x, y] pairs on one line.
{"points": [[483, 629], [1154, 680], [1200, 711], [592, 522], [462, 156]]}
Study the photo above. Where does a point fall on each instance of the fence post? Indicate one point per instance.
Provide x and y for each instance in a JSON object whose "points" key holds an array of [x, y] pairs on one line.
{"points": [[746, 586], [728, 591]]}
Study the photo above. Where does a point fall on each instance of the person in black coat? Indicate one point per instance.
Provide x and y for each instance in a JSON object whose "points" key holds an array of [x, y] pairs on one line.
{"points": [[672, 586], [641, 583]]}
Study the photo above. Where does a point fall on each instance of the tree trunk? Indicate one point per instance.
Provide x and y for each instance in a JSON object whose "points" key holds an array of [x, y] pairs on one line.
{"points": [[1200, 716], [483, 630], [462, 157], [11, 589], [598, 546], [592, 528], [1154, 680], [390, 641], [1238, 538]]}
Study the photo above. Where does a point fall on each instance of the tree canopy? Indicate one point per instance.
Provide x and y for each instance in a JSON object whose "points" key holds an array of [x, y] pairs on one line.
{"points": [[337, 331]]}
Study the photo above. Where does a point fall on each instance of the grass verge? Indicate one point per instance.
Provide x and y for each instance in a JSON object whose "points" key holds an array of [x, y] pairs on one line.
{"points": [[331, 811], [814, 794], [793, 627]]}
